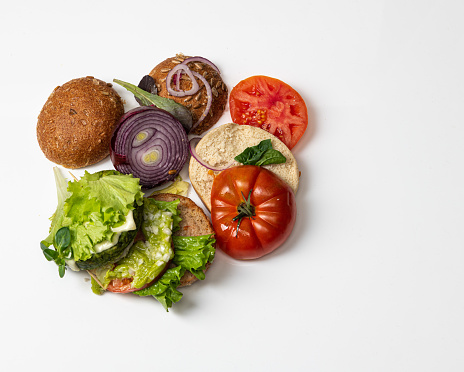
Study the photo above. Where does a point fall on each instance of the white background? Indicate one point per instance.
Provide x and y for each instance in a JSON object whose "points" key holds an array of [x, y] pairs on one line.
{"points": [[372, 277]]}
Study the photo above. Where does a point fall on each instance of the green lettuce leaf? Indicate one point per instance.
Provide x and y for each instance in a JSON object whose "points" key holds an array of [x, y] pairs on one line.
{"points": [[91, 206], [165, 289], [192, 253], [59, 215]]}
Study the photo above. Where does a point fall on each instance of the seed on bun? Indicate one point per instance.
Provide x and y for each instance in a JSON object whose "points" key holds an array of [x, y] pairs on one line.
{"points": [[222, 144], [198, 101], [75, 125]]}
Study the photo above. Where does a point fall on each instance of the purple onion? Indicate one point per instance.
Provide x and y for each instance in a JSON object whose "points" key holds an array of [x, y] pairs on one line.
{"points": [[150, 144]]}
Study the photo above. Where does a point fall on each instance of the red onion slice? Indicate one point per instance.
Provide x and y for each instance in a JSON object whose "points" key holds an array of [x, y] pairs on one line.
{"points": [[181, 93], [209, 95], [202, 60], [192, 146], [176, 73], [150, 144]]}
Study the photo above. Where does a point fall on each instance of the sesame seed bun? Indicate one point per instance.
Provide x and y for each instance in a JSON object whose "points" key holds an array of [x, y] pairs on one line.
{"points": [[222, 144], [195, 103], [75, 125]]}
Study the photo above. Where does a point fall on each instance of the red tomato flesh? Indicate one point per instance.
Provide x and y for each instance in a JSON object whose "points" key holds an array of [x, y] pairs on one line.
{"points": [[272, 105], [274, 211]]}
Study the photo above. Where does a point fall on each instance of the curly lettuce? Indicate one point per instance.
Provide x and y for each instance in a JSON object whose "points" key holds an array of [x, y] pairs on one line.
{"points": [[91, 207]]}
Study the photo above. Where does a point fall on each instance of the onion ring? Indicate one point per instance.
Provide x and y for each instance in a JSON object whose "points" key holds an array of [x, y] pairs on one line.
{"points": [[176, 72], [150, 144], [182, 93]]}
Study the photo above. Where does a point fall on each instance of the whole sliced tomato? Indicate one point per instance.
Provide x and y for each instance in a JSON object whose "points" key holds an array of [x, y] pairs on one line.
{"points": [[272, 105], [253, 211]]}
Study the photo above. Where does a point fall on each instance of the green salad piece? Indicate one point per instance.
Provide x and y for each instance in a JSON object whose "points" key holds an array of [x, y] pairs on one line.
{"points": [[191, 253], [90, 209]]}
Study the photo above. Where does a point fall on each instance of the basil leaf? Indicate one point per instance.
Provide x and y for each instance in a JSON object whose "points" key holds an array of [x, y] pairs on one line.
{"points": [[271, 156], [261, 154]]}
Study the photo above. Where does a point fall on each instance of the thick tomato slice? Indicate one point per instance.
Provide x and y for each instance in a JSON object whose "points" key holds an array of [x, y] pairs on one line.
{"points": [[272, 205], [272, 105]]}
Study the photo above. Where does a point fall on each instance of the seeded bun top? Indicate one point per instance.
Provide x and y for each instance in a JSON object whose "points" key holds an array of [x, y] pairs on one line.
{"points": [[194, 223], [222, 144], [75, 125], [197, 102]]}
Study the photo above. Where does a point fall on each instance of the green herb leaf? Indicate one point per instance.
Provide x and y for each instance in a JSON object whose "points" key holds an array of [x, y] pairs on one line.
{"points": [[62, 238], [179, 111], [261, 154], [50, 254], [271, 156], [61, 270]]}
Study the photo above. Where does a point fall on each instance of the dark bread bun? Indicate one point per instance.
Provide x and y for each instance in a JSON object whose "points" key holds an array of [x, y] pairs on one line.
{"points": [[194, 223], [195, 103], [75, 125]]}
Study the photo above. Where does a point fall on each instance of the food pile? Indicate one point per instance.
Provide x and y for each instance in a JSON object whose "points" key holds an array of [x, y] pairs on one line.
{"points": [[131, 239]]}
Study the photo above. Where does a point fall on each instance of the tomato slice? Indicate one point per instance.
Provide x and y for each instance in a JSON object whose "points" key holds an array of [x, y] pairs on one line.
{"points": [[272, 105], [121, 286]]}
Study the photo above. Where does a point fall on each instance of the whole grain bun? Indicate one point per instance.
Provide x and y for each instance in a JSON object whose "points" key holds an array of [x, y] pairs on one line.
{"points": [[75, 125], [194, 223], [222, 144], [197, 102]]}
